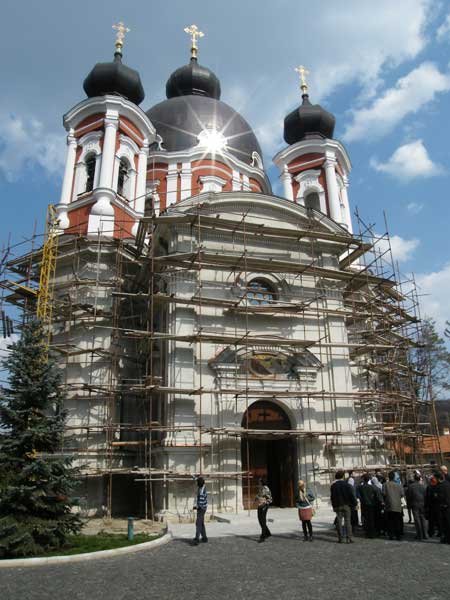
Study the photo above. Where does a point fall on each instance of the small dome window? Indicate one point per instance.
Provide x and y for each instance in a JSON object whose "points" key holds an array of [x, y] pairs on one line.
{"points": [[260, 292], [312, 200], [90, 172], [123, 177]]}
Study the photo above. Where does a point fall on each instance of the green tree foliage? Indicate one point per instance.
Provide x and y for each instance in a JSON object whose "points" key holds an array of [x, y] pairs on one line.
{"points": [[35, 483], [433, 358]]}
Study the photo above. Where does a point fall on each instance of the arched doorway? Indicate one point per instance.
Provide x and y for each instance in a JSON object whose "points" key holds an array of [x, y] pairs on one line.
{"points": [[270, 456]]}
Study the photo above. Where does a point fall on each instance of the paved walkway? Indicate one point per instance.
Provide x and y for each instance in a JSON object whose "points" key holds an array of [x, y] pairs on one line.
{"points": [[280, 521], [234, 566]]}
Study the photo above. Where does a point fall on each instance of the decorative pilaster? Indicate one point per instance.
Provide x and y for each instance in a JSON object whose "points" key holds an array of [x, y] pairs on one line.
{"points": [[101, 218], [236, 181], [332, 188], [172, 183], [186, 180], [66, 192], [246, 183]]}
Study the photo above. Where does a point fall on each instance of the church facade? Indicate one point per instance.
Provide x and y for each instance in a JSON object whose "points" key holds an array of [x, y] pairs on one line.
{"points": [[206, 325]]}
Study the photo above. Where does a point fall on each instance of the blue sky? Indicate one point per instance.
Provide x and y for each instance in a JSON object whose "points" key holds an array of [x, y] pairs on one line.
{"points": [[382, 68]]}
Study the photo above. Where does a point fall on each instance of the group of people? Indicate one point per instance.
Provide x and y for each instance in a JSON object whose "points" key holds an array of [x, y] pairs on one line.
{"points": [[381, 502]]}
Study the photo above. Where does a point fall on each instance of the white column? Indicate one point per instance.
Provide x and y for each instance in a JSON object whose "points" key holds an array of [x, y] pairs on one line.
{"points": [[139, 204], [66, 190], [102, 213], [172, 181], [346, 203], [186, 180], [141, 185], [108, 152], [246, 183], [332, 189], [286, 179]]}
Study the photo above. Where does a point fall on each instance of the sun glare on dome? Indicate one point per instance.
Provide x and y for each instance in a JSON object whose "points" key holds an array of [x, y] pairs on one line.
{"points": [[212, 140]]}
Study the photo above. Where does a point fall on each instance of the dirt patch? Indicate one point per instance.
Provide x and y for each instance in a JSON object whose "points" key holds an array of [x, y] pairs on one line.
{"points": [[95, 526]]}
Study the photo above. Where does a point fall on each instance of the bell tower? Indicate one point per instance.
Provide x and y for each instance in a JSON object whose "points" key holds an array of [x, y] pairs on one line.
{"points": [[108, 140], [314, 167]]}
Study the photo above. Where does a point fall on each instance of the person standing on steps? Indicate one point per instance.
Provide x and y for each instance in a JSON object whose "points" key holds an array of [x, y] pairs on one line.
{"points": [[305, 510], [264, 500], [342, 500], [200, 505]]}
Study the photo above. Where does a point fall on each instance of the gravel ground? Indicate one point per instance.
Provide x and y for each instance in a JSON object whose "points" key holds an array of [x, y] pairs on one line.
{"points": [[238, 567]]}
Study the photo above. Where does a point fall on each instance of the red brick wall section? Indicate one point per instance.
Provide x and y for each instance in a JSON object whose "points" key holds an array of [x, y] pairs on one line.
{"points": [[298, 164], [137, 137], [210, 167], [123, 222], [84, 128], [78, 220], [255, 185]]}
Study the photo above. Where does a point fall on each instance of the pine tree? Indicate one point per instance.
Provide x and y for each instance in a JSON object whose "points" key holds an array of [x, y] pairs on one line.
{"points": [[35, 484]]}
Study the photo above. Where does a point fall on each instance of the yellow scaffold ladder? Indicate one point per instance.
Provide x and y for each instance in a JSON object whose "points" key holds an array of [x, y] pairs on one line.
{"points": [[44, 308]]}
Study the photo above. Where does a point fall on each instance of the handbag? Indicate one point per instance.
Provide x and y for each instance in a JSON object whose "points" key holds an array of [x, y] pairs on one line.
{"points": [[306, 514]]}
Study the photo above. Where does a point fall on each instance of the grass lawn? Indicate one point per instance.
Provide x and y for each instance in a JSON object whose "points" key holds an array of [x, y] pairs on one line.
{"points": [[78, 544]]}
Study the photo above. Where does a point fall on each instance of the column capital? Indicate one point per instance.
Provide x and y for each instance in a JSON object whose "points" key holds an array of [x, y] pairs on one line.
{"points": [[71, 139], [111, 121]]}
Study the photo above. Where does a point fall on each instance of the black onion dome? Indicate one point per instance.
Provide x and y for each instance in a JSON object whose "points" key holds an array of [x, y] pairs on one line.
{"points": [[307, 121], [193, 79], [114, 78], [180, 120]]}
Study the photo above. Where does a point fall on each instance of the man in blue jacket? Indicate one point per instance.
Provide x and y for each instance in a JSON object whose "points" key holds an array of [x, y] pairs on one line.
{"points": [[200, 505]]}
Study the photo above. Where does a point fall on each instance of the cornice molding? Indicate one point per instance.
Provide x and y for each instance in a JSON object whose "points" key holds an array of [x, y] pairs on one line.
{"points": [[112, 107]]}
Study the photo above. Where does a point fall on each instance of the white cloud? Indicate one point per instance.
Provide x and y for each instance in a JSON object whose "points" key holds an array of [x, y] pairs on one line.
{"points": [[408, 96], [379, 41], [402, 249], [24, 143], [443, 32], [408, 162], [414, 207], [434, 291], [359, 51]]}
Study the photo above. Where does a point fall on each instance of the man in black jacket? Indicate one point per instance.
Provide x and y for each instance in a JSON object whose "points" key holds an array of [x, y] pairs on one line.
{"points": [[370, 499], [342, 500], [415, 497], [443, 490]]}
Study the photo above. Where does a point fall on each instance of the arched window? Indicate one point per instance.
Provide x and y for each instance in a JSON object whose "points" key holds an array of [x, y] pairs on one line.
{"points": [[312, 200], [90, 172], [260, 292], [123, 176]]}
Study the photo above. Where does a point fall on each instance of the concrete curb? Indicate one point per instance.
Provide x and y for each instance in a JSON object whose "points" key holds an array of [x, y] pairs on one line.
{"points": [[54, 560]]}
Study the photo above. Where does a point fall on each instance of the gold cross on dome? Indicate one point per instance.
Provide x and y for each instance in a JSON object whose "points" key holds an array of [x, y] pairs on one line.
{"points": [[120, 36], [302, 71], [195, 33]]}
